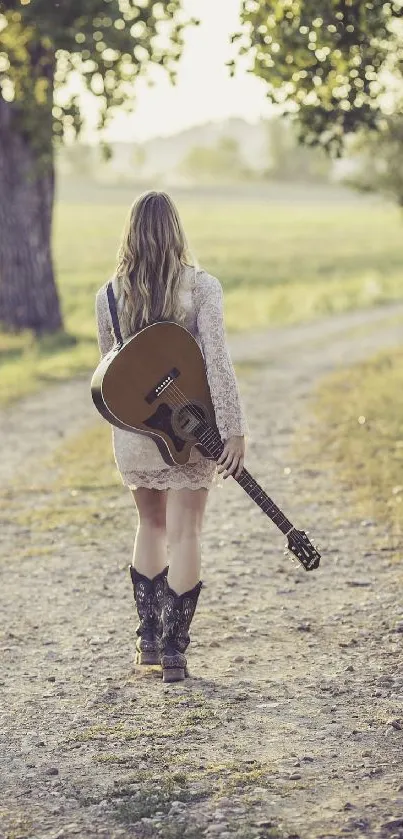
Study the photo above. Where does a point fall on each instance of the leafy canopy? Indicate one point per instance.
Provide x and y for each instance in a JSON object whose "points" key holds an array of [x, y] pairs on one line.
{"points": [[329, 62], [109, 43]]}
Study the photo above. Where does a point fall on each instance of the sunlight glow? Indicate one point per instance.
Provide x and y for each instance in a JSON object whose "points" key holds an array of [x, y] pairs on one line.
{"points": [[204, 90]]}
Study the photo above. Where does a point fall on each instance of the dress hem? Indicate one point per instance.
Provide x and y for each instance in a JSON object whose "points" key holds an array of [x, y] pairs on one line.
{"points": [[169, 486]]}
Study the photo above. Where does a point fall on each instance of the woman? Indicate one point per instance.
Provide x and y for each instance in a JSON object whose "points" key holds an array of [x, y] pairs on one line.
{"points": [[156, 279]]}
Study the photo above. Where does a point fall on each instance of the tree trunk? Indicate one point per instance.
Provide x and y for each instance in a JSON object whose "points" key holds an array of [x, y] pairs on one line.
{"points": [[28, 294]]}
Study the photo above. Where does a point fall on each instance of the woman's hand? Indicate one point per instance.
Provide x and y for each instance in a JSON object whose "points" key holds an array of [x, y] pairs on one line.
{"points": [[232, 457]]}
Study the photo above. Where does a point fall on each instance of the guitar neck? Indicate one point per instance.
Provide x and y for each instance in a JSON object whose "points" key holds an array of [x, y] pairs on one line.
{"points": [[214, 445]]}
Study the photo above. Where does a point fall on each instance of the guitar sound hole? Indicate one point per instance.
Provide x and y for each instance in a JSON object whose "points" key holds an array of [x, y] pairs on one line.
{"points": [[163, 420]]}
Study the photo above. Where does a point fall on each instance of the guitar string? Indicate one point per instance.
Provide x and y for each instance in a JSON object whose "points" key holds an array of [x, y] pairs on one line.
{"points": [[298, 539], [178, 402], [211, 434], [210, 438]]}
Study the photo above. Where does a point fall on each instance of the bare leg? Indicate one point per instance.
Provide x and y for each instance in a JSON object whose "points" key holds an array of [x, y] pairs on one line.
{"points": [[184, 521], [150, 544]]}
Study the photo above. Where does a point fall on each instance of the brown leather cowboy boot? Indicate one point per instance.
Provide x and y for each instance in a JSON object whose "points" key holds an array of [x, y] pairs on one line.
{"points": [[148, 597], [177, 615]]}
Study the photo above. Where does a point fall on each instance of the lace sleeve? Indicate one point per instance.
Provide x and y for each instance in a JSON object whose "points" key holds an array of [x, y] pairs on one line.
{"points": [[103, 320], [228, 406]]}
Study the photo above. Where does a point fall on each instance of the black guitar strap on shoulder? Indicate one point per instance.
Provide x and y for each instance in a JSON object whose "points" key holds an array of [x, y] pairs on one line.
{"points": [[114, 314]]}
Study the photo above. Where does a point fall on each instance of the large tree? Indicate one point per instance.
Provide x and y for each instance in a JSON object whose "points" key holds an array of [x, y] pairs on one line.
{"points": [[109, 44], [330, 64]]}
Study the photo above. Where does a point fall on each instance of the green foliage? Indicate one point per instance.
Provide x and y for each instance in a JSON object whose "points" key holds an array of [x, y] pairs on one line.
{"points": [[217, 163], [288, 159], [323, 61], [379, 156], [109, 43], [360, 431]]}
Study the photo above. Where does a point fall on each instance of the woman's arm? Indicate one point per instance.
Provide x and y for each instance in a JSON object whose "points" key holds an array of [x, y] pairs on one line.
{"points": [[229, 411], [104, 324]]}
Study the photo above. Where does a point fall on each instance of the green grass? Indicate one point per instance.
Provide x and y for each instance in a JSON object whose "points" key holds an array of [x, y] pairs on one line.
{"points": [[80, 464], [360, 432], [278, 263]]}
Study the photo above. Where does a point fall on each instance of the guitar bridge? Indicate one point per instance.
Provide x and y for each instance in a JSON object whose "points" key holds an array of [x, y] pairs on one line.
{"points": [[162, 385]]}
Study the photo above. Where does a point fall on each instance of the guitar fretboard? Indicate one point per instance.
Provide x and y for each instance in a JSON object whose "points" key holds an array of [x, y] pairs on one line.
{"points": [[212, 442]]}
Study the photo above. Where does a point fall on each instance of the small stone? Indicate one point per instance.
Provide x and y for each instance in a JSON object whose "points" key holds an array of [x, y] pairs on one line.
{"points": [[239, 658], [304, 627], [214, 643], [348, 806], [366, 753], [393, 824], [395, 724], [51, 678], [52, 771], [295, 776]]}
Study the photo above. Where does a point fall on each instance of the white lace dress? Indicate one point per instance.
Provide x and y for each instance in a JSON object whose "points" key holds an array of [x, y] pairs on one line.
{"points": [[137, 457]]}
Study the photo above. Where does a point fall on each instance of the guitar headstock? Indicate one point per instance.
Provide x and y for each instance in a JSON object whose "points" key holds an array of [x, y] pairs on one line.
{"points": [[303, 549]]}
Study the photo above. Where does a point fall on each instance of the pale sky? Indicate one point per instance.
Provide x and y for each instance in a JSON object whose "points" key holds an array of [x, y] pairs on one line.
{"points": [[204, 90]]}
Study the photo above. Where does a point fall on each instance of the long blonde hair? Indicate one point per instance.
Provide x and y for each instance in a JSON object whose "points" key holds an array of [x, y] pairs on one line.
{"points": [[151, 257]]}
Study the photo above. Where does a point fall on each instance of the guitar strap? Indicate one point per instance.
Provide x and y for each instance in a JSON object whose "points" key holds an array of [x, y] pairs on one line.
{"points": [[114, 313]]}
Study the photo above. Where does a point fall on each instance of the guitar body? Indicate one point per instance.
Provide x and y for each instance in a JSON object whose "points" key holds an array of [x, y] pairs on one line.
{"points": [[146, 386], [155, 383]]}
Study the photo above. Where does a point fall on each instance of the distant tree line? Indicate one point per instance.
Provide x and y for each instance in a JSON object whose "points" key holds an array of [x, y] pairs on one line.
{"points": [[284, 159]]}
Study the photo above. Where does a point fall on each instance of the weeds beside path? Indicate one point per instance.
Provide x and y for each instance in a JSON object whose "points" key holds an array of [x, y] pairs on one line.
{"points": [[291, 724]]}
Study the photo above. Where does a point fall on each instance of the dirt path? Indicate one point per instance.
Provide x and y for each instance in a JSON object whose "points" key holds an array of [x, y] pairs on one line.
{"points": [[292, 722]]}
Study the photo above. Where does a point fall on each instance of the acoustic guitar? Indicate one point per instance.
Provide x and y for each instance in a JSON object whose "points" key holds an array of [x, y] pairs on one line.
{"points": [[155, 383]]}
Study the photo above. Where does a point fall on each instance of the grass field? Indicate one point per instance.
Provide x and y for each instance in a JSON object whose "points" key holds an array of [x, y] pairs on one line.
{"points": [[281, 261], [360, 432]]}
